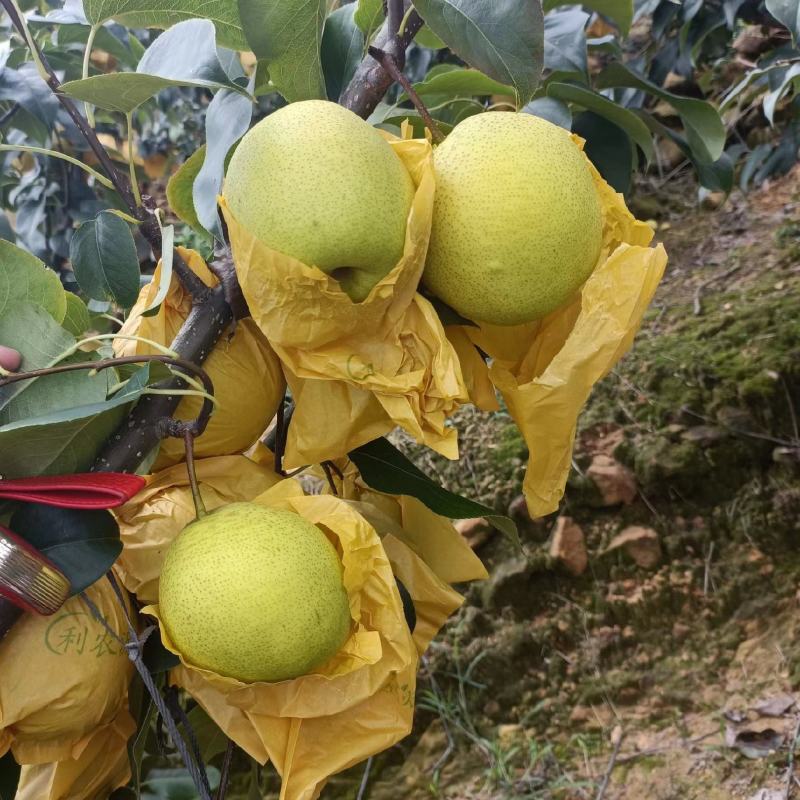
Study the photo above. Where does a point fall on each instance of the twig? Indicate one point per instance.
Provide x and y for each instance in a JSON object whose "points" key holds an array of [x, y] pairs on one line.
{"points": [[617, 737], [737, 431], [362, 789], [199, 506], [787, 792], [225, 772], [389, 63], [696, 303], [792, 414], [707, 574], [279, 445], [9, 114], [224, 271], [169, 426], [326, 468], [134, 648]]}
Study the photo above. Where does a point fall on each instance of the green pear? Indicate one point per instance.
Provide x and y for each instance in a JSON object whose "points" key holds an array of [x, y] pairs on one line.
{"points": [[254, 593], [316, 182], [517, 220]]}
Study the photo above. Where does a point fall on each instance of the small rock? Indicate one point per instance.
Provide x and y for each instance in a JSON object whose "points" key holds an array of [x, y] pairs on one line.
{"points": [[775, 706], [581, 714], [713, 200], [615, 482], [476, 531], [508, 734], [680, 631], [641, 544], [568, 546], [492, 708]]}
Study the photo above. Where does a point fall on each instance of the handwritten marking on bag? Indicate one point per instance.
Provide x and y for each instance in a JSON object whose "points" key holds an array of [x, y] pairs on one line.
{"points": [[70, 634]]}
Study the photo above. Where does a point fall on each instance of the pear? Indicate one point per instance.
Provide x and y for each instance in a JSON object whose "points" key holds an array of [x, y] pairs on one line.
{"points": [[254, 593], [316, 182], [517, 220]]}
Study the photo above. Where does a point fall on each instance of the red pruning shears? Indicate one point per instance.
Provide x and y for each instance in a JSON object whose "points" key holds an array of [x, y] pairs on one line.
{"points": [[28, 579]]}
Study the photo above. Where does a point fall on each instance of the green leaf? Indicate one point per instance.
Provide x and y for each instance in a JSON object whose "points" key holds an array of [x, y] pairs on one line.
{"points": [[705, 130], [156, 657], [385, 469], [23, 278], [503, 38], [9, 776], [448, 315], [393, 123], [117, 91], [105, 261], [165, 279], [716, 176], [752, 76], [211, 740], [227, 120], [608, 148], [621, 117], [82, 543], [368, 16], [287, 36], [177, 784], [186, 55], [427, 38], [76, 320], [62, 442], [461, 82], [179, 189], [165, 13], [565, 41], [342, 49], [787, 12], [40, 396], [552, 110], [25, 87], [619, 11], [137, 743], [788, 80], [38, 338]]}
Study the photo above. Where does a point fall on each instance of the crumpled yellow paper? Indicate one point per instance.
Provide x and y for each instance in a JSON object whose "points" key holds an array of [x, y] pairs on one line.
{"points": [[545, 370], [362, 700], [246, 373], [63, 678], [431, 537], [101, 766], [151, 519], [356, 370]]}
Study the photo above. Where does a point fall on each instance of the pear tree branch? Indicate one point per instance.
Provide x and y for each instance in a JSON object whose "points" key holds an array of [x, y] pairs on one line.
{"points": [[371, 80]]}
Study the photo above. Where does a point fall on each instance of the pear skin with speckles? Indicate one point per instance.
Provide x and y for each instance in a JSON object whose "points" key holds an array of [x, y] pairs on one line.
{"points": [[517, 220], [254, 593], [315, 182]]}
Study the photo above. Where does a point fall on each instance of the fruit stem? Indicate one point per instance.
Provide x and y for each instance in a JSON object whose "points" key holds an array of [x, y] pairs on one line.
{"points": [[389, 63], [328, 467], [225, 773], [199, 506]]}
